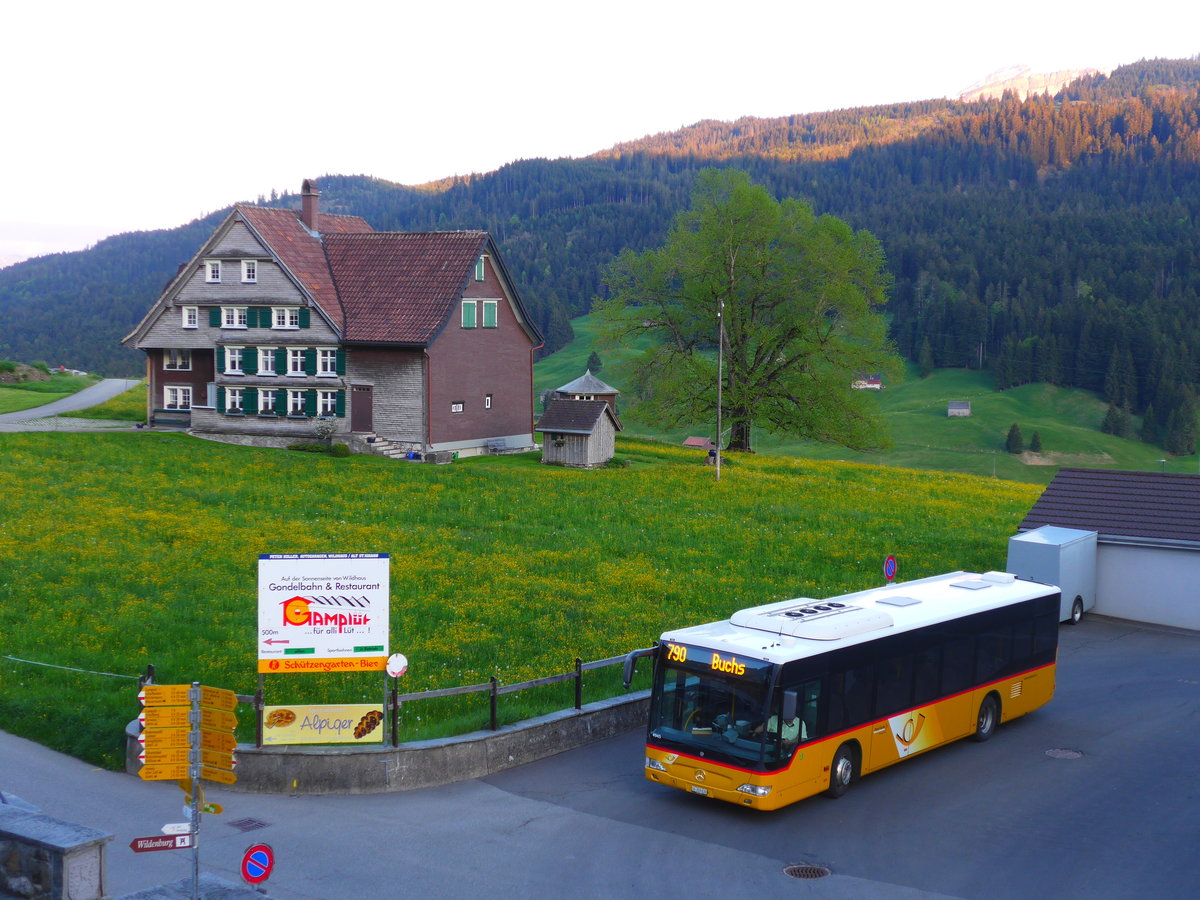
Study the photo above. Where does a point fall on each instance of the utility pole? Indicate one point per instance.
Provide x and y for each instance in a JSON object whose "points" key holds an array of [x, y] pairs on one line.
{"points": [[720, 376]]}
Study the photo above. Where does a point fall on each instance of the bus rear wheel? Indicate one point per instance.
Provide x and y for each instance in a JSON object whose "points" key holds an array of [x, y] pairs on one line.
{"points": [[989, 715], [841, 771]]}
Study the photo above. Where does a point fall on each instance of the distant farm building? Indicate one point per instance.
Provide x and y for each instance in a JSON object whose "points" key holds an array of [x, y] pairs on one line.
{"points": [[867, 383], [588, 387], [578, 433], [700, 443], [958, 408]]}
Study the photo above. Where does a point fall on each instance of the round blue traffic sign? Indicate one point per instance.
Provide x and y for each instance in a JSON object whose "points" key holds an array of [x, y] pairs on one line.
{"points": [[257, 863], [889, 568]]}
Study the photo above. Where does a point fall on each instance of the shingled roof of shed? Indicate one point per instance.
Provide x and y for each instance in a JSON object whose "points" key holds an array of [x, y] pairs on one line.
{"points": [[574, 416], [1117, 504]]}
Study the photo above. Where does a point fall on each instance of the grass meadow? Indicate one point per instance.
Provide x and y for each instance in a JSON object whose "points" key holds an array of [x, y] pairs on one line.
{"points": [[123, 550]]}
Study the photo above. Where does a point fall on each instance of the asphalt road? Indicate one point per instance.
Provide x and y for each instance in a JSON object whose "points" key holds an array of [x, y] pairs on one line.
{"points": [[41, 417], [1004, 819]]}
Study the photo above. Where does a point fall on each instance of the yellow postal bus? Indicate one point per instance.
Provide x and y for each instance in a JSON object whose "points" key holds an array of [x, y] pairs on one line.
{"points": [[796, 698]]}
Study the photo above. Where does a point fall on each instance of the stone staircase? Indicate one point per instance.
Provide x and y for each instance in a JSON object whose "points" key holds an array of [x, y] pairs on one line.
{"points": [[373, 444]]}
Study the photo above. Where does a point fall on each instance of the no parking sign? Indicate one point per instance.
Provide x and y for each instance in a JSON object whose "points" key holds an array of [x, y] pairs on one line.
{"points": [[889, 568], [257, 863]]}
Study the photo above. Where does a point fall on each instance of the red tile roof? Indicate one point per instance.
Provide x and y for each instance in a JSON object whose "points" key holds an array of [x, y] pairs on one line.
{"points": [[399, 287], [301, 251]]}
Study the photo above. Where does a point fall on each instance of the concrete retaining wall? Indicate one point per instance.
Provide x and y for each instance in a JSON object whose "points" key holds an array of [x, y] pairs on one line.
{"points": [[420, 764]]}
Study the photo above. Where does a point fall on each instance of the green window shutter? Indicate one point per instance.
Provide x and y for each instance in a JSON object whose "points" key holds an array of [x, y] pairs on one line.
{"points": [[220, 400], [305, 317], [281, 407], [281, 362], [310, 403], [341, 362], [214, 317], [252, 317], [220, 360], [489, 315], [264, 317], [310, 361], [250, 361], [250, 401], [468, 314], [340, 410]]}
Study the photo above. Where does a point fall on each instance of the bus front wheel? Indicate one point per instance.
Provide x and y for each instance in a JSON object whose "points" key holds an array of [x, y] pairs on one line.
{"points": [[1076, 610], [841, 771], [989, 715]]}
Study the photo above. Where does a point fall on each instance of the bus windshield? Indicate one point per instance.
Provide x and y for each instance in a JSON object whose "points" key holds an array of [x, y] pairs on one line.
{"points": [[710, 706]]}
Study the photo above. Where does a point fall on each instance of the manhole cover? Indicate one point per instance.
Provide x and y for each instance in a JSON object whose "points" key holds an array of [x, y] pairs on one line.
{"points": [[1058, 753], [806, 871], [247, 824]]}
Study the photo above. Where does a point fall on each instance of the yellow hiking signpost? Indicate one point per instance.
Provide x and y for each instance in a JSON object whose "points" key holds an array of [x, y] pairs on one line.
{"points": [[187, 734]]}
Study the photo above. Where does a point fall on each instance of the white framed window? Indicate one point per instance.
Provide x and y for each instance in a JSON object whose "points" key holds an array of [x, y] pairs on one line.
{"points": [[177, 397], [177, 360], [233, 400], [249, 271], [233, 317], [212, 271], [266, 361], [233, 360], [327, 403], [487, 401], [266, 402], [326, 361], [489, 313], [468, 314], [190, 316], [456, 406], [295, 403], [295, 361], [286, 317], [480, 268]]}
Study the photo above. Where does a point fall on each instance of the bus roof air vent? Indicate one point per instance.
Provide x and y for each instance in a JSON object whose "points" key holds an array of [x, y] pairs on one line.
{"points": [[816, 620], [898, 601]]}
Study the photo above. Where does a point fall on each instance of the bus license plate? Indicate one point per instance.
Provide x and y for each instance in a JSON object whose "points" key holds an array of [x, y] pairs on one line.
{"points": [[696, 789]]}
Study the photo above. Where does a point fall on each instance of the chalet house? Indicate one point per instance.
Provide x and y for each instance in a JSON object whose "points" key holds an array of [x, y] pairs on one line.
{"points": [[282, 318], [1148, 539], [578, 433], [958, 408], [873, 382]]}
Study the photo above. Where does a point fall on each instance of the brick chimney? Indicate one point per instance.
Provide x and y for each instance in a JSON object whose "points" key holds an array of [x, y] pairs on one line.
{"points": [[310, 213]]}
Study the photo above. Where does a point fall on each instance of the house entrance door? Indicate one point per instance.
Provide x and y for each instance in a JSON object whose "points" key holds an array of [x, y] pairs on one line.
{"points": [[362, 412]]}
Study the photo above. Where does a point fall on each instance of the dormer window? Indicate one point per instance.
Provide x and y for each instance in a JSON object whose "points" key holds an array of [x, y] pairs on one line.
{"points": [[249, 271], [212, 271]]}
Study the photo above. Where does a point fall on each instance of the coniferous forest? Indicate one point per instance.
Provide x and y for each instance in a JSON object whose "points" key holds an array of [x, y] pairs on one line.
{"points": [[1049, 239]]}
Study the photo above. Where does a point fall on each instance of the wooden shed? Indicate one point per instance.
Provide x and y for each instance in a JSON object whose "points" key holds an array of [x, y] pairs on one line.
{"points": [[579, 433], [958, 408]]}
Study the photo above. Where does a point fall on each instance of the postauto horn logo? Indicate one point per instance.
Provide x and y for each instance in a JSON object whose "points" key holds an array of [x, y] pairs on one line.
{"points": [[298, 611]]}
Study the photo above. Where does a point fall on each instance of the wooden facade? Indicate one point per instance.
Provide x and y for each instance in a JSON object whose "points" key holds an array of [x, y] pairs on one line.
{"points": [[578, 433], [274, 325]]}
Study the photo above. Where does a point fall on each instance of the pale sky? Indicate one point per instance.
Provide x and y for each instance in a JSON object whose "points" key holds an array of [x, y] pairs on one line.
{"points": [[130, 115]]}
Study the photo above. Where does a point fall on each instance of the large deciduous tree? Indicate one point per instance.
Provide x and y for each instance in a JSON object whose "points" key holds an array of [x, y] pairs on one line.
{"points": [[799, 295]]}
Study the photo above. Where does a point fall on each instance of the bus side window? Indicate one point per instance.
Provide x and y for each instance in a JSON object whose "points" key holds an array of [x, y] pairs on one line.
{"points": [[810, 695], [958, 665]]}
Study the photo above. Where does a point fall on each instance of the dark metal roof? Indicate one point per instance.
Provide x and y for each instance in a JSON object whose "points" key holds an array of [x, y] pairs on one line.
{"points": [[574, 416], [1121, 504], [587, 383]]}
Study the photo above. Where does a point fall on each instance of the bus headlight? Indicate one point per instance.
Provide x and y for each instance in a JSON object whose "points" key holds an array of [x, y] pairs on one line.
{"points": [[655, 764], [755, 790]]}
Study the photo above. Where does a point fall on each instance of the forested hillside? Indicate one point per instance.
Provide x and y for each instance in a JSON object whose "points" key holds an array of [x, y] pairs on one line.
{"points": [[1050, 239]]}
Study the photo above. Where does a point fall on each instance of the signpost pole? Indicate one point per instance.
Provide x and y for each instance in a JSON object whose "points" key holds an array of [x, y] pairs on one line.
{"points": [[194, 757]]}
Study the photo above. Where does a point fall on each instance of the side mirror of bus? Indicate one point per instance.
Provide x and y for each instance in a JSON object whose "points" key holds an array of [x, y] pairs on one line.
{"points": [[631, 662], [790, 701]]}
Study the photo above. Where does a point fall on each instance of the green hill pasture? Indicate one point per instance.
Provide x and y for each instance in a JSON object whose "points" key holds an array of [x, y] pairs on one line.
{"points": [[118, 551], [923, 436]]}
